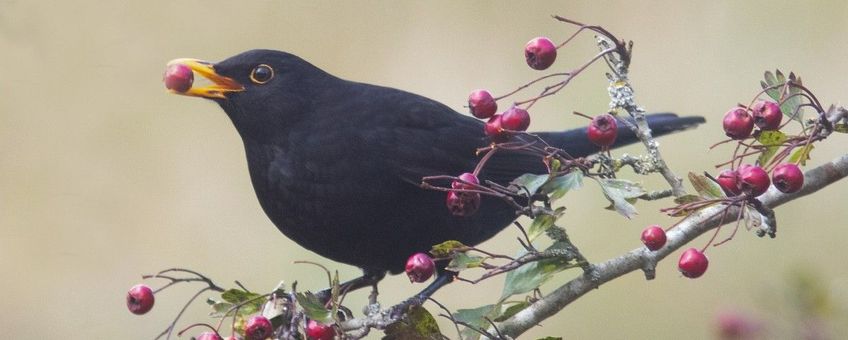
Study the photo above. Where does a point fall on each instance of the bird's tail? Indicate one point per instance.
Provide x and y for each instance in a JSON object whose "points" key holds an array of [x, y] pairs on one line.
{"points": [[577, 144]]}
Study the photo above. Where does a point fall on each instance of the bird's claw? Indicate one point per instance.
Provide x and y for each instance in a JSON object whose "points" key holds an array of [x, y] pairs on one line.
{"points": [[399, 310]]}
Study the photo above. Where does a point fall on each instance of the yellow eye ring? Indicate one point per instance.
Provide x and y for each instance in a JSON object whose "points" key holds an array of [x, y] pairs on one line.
{"points": [[262, 74]]}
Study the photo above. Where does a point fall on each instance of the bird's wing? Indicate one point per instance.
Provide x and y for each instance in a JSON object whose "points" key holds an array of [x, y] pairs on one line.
{"points": [[420, 137]]}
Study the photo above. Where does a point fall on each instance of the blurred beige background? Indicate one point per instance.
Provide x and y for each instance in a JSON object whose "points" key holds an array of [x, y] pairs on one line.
{"points": [[104, 176]]}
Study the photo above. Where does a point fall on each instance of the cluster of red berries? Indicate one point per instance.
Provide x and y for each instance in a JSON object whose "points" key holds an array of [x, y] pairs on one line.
{"points": [[692, 263], [739, 122], [499, 125], [140, 301], [749, 180], [463, 203], [540, 54], [752, 180]]}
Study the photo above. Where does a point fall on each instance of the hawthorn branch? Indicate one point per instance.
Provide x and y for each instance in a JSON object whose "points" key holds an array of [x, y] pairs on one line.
{"points": [[640, 258]]}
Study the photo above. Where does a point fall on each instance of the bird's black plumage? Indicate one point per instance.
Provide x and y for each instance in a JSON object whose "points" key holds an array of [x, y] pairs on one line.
{"points": [[337, 164]]}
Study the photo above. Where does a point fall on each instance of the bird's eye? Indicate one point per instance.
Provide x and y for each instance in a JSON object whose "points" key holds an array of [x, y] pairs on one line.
{"points": [[261, 74]]}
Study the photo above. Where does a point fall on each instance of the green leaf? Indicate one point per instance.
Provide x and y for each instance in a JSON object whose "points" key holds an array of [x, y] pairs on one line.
{"points": [[419, 324], [532, 275], [529, 181], [559, 186], [462, 261], [688, 199], [512, 310], [446, 249], [705, 186], [802, 155], [772, 140], [219, 308], [840, 127], [621, 194], [555, 165], [335, 292], [792, 103], [540, 224], [474, 317], [313, 308], [236, 296], [543, 222]]}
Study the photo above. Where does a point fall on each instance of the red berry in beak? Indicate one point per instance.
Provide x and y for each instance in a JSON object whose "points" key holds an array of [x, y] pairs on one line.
{"points": [[178, 77]]}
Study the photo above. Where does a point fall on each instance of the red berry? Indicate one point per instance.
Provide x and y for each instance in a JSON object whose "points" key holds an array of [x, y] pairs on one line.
{"points": [[495, 130], [319, 331], [463, 203], [729, 181], [735, 325], [602, 130], [258, 328], [468, 177], [208, 336], [516, 119], [738, 124], [540, 53], [178, 77], [140, 299], [420, 267], [653, 237], [767, 115], [693, 263], [753, 180], [788, 178], [482, 104]]}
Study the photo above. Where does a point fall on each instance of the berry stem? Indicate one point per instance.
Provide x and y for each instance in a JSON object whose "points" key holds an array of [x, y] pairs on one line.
{"points": [[168, 331], [522, 87]]}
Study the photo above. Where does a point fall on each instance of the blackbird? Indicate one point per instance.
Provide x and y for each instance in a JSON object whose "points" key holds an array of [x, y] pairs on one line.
{"points": [[337, 165]]}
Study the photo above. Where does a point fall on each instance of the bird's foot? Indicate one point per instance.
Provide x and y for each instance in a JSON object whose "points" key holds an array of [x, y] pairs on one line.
{"points": [[371, 309], [399, 310]]}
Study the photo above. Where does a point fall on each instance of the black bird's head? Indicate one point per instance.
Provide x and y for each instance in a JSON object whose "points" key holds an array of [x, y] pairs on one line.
{"points": [[262, 91]]}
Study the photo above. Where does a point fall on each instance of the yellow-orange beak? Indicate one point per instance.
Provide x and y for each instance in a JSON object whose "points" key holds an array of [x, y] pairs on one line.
{"points": [[220, 85]]}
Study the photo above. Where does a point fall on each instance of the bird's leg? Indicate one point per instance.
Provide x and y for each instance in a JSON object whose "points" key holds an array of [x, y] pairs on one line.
{"points": [[373, 306], [443, 278], [369, 278]]}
